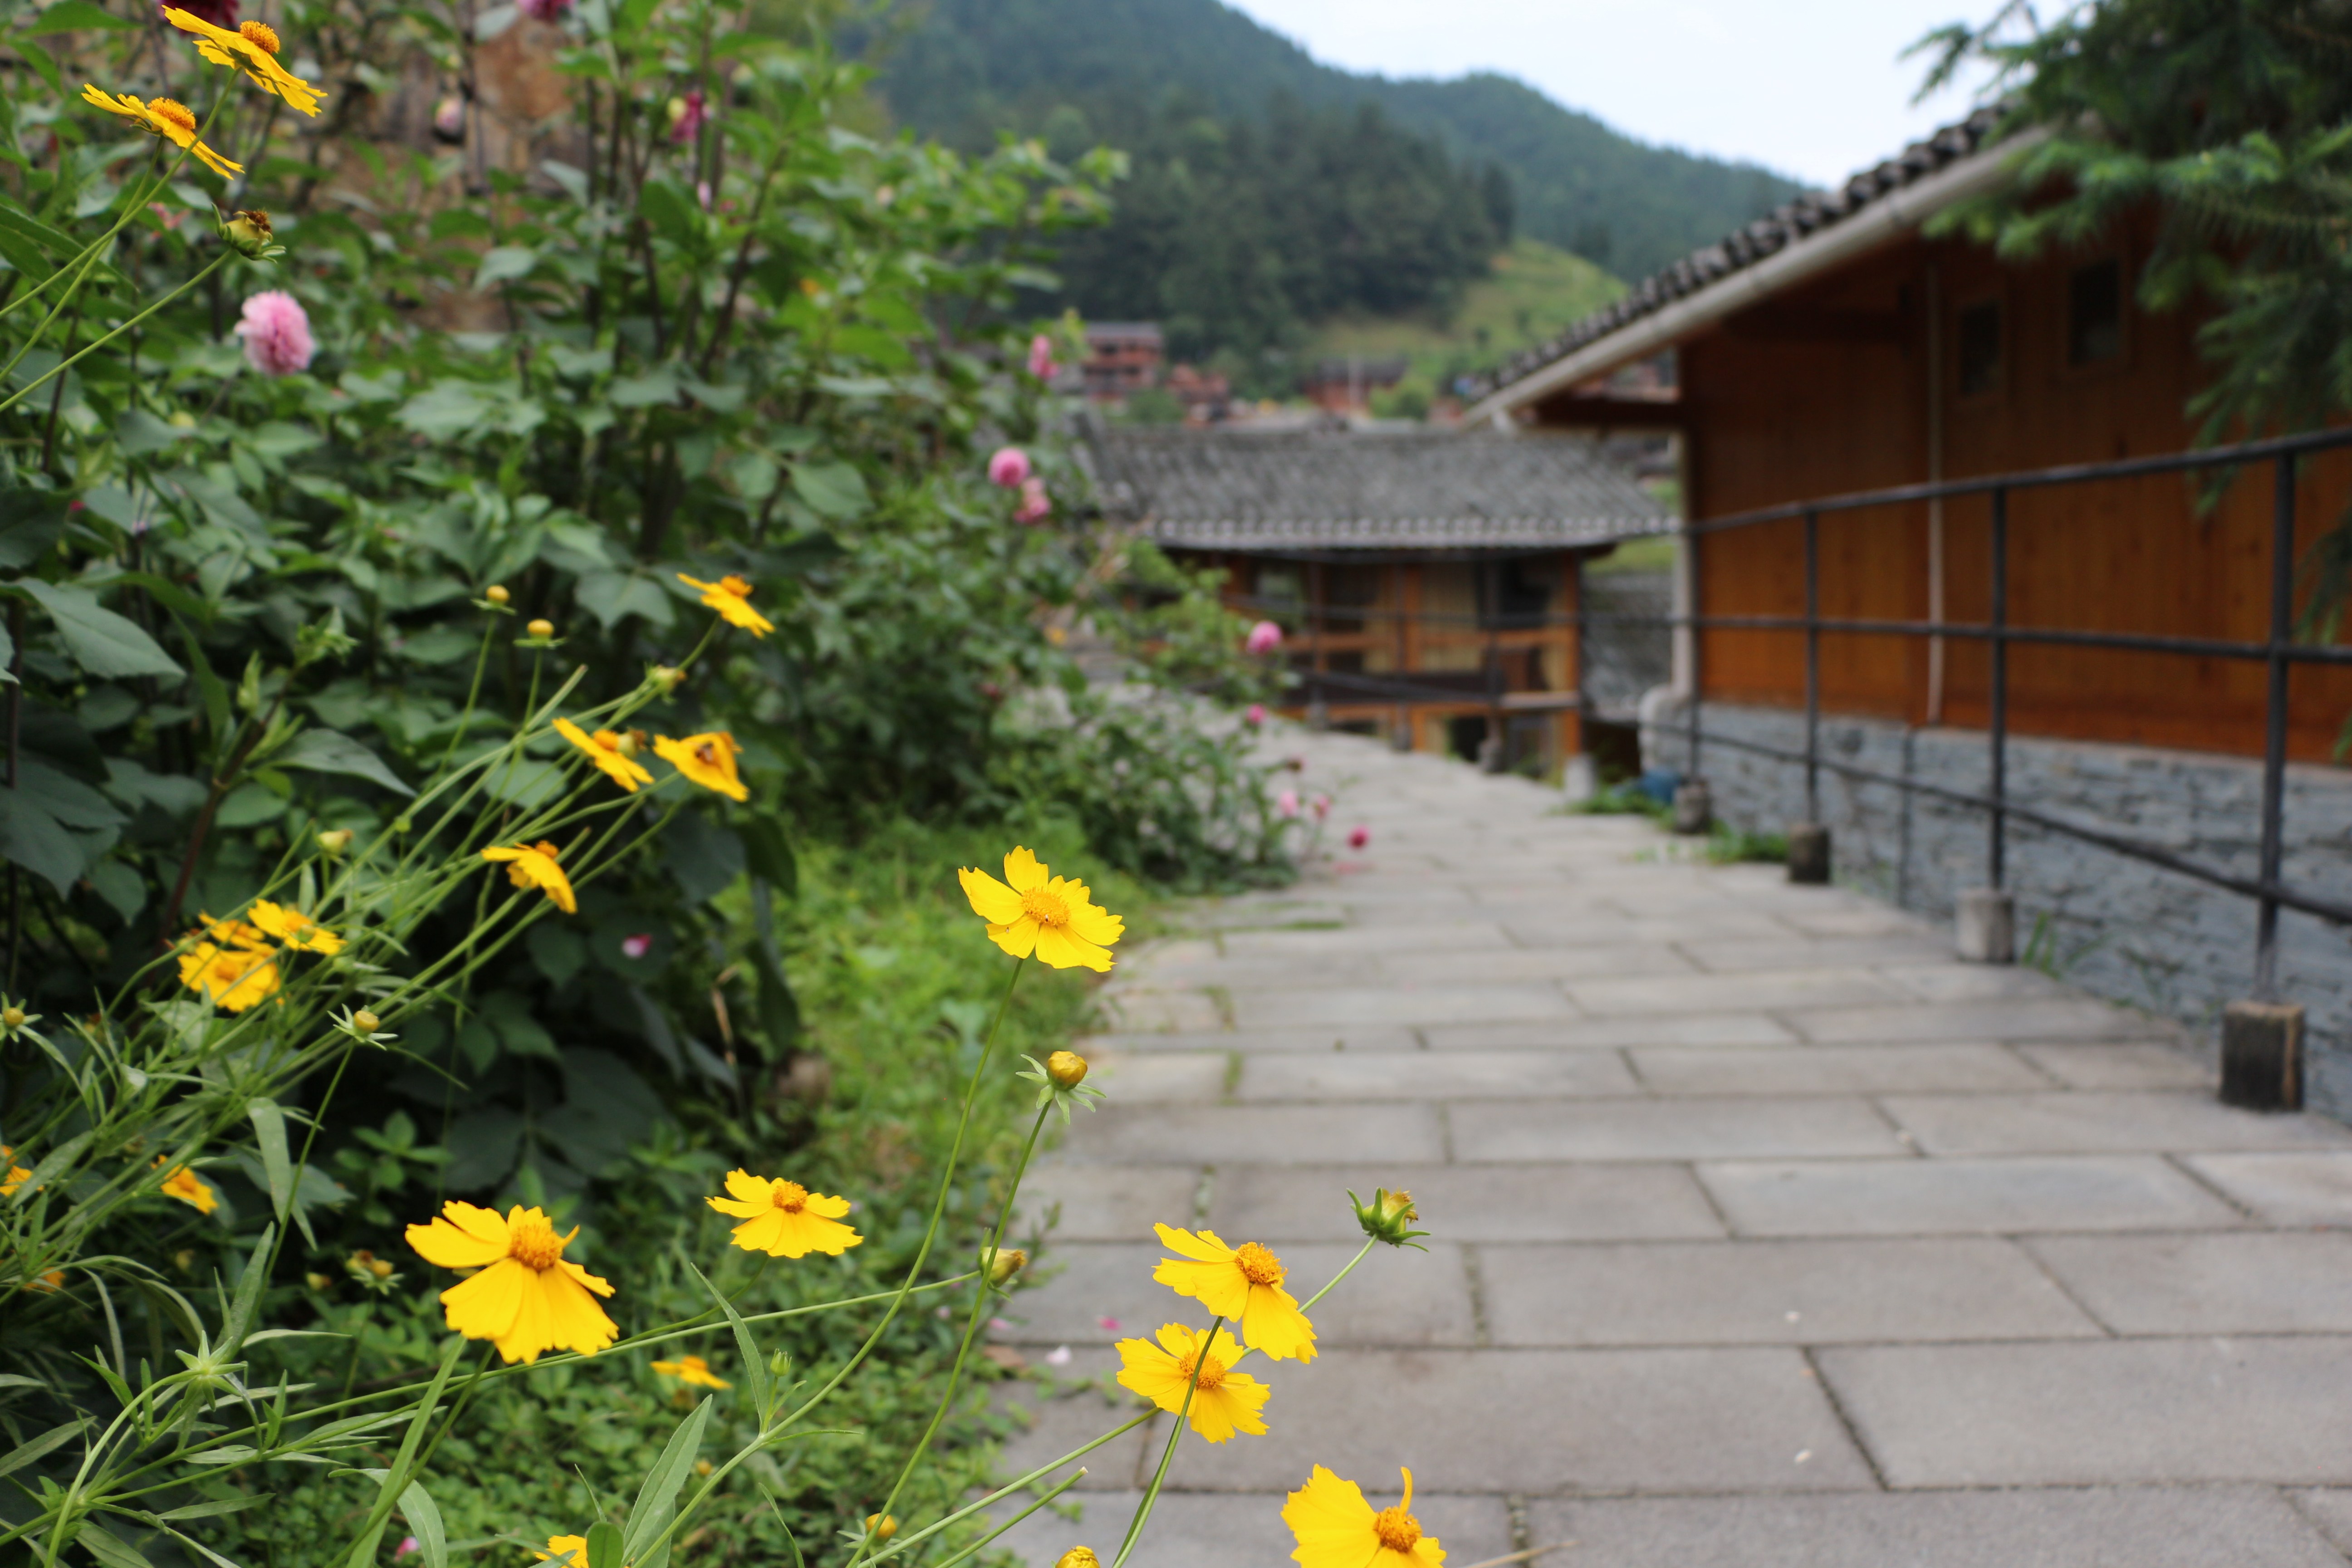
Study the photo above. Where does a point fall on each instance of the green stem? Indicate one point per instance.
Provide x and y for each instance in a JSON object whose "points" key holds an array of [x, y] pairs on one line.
{"points": [[1168, 1454], [904, 1541], [978, 1546], [1360, 1255], [65, 365]]}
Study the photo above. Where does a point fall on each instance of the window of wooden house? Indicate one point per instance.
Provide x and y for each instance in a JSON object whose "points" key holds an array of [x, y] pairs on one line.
{"points": [[2095, 313], [1348, 589], [1280, 589], [1979, 349], [1516, 594]]}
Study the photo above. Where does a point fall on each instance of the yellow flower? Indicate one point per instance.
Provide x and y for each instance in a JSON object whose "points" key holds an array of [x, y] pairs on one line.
{"points": [[1337, 1529], [526, 1298], [1054, 917], [190, 1188], [17, 1175], [1225, 1403], [603, 749], [294, 928], [1242, 1285], [708, 759], [692, 1369], [534, 866], [557, 1545], [730, 598], [784, 1220], [163, 117], [1078, 1557], [252, 47], [236, 978]]}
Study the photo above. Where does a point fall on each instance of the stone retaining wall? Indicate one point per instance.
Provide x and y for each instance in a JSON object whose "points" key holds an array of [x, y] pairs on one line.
{"points": [[2114, 925]]}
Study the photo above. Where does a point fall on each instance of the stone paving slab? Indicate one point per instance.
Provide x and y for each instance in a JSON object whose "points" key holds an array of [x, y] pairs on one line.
{"points": [[1102, 1291], [1764, 1232], [2099, 1121], [2102, 1412], [1772, 1292], [2231, 1283], [1684, 1129], [1919, 1197], [1832, 1070], [2203, 1527], [2283, 1189], [1468, 1203], [1430, 1075]]}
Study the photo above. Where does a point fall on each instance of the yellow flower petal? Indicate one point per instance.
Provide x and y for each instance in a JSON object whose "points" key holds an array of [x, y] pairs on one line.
{"points": [[707, 759], [537, 866], [602, 749], [1224, 1402], [243, 51], [730, 597], [990, 899], [784, 1220], [1033, 911], [190, 1188]]}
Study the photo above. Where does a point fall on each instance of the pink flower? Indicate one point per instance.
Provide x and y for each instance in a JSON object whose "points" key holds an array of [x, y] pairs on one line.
{"points": [[999, 1325], [1285, 804], [638, 946], [1009, 467], [1040, 357], [407, 1544], [545, 10], [686, 115], [1107, 1325], [1358, 836], [277, 334], [1058, 1356], [702, 194], [1036, 506], [449, 119], [1322, 805], [1255, 716], [1264, 637]]}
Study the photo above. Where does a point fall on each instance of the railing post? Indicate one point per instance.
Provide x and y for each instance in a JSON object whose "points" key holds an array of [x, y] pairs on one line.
{"points": [[1987, 915], [2261, 1040], [1809, 841], [1694, 805]]}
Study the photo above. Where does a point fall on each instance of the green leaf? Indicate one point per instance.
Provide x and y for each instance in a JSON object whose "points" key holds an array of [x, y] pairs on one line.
{"points": [[110, 1550], [41, 60], [424, 1523], [755, 1374], [104, 644], [31, 838], [332, 751], [34, 521], [658, 1497], [74, 16], [249, 1291], [644, 391], [218, 1506], [54, 1438], [269, 1138], [505, 263], [604, 1549], [611, 596], [55, 1163], [833, 489], [769, 854], [210, 686], [70, 801]]}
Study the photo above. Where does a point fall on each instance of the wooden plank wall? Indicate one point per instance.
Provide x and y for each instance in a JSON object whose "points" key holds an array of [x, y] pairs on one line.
{"points": [[1825, 390]]}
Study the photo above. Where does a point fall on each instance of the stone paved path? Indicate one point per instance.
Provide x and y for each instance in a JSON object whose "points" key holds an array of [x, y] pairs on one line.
{"points": [[1765, 1233]]}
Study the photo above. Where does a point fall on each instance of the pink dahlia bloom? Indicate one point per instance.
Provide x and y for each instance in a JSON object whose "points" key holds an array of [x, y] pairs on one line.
{"points": [[1285, 804], [545, 10], [1358, 836], [1264, 637], [1255, 716], [277, 334], [1322, 805], [1036, 506], [1040, 357], [1009, 467], [693, 109]]}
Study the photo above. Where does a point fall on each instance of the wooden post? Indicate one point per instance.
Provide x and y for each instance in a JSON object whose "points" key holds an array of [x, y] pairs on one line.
{"points": [[1408, 638]]}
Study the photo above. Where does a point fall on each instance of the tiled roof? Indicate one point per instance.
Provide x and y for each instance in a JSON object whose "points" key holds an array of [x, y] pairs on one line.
{"points": [[1744, 248], [1370, 491]]}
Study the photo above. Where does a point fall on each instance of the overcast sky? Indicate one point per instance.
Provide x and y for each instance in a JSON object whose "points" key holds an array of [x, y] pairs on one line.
{"points": [[1812, 88]]}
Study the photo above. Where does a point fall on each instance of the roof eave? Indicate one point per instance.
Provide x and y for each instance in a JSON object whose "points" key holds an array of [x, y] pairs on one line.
{"points": [[1886, 220]]}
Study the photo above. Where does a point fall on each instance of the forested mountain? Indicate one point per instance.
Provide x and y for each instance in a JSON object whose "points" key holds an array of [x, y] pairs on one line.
{"points": [[1143, 74]]}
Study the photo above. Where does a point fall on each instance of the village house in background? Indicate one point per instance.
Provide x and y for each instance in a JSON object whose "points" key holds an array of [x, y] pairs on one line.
{"points": [[1832, 347], [1426, 583], [1122, 358], [1345, 384]]}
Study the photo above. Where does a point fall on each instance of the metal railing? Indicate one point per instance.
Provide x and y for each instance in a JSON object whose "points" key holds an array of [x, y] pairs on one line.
{"points": [[2279, 653]]}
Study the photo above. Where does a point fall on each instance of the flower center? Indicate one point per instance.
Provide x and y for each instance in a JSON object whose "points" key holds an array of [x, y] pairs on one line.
{"points": [[789, 1196], [1212, 1373], [261, 36], [173, 112], [1046, 907], [1398, 1531], [1258, 1266], [606, 739], [735, 586], [534, 1244]]}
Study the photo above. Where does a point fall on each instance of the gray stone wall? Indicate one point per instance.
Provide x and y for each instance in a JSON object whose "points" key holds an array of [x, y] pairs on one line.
{"points": [[2115, 925]]}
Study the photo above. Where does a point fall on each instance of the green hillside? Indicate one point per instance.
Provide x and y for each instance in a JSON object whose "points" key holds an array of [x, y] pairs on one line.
{"points": [[1534, 290], [963, 69]]}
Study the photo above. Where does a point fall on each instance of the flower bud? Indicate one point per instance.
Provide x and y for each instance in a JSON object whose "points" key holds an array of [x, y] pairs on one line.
{"points": [[335, 840], [249, 234], [665, 677], [540, 628], [1388, 1217], [780, 1364], [701, 1466], [1066, 1068], [881, 1526], [12, 1017], [1003, 1265], [318, 1282], [631, 743], [496, 594], [365, 1022], [1078, 1557], [381, 1268]]}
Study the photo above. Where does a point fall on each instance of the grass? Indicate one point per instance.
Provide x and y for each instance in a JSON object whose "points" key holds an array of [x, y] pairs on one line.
{"points": [[1533, 291], [1724, 846]]}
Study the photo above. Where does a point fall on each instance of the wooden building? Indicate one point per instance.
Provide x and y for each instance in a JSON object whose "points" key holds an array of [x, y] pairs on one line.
{"points": [[1832, 347], [1424, 581]]}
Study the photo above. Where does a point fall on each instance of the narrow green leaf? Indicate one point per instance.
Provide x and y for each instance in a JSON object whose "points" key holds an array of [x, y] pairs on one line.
{"points": [[754, 1374], [424, 1523], [604, 1545], [73, 16], [112, 1551], [362, 1551], [216, 1506], [269, 1137], [248, 1292], [55, 1438], [329, 752], [55, 1163], [658, 1497]]}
